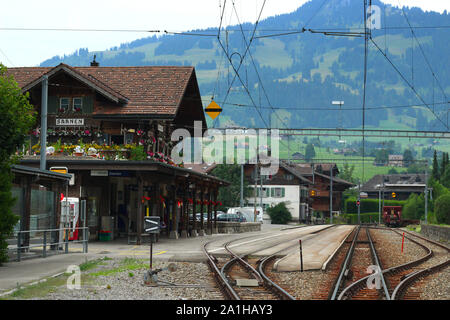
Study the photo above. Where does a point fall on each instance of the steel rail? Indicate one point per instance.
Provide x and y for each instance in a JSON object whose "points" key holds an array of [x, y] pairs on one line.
{"points": [[402, 287], [221, 281], [244, 263], [390, 271], [359, 284], [225, 284], [345, 265], [268, 283]]}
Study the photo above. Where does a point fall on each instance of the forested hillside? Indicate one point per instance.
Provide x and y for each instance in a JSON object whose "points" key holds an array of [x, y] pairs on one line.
{"points": [[293, 78]]}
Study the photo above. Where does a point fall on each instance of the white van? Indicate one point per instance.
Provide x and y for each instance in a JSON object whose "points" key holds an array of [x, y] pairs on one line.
{"points": [[248, 213]]}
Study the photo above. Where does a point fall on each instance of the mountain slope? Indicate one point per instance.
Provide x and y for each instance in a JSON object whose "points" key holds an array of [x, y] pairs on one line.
{"points": [[302, 73]]}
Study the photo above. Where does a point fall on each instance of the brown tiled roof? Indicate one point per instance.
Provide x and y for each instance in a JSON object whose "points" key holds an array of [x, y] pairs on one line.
{"points": [[142, 90], [407, 179], [306, 170]]}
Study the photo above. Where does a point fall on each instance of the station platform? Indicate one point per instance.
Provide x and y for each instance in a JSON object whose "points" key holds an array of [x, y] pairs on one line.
{"points": [[316, 250], [319, 242]]}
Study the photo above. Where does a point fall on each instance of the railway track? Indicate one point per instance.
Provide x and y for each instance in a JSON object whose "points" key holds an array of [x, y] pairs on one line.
{"points": [[408, 282], [244, 278], [396, 282], [360, 255], [349, 268], [244, 269]]}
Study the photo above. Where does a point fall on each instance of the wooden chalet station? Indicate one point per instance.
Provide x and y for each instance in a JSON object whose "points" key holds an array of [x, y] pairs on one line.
{"points": [[111, 128]]}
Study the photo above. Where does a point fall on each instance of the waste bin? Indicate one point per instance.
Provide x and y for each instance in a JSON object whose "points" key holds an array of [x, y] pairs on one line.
{"points": [[108, 225], [105, 235]]}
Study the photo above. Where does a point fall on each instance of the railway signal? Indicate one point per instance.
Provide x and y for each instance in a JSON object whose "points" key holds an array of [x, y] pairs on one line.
{"points": [[394, 195], [151, 224], [358, 203]]}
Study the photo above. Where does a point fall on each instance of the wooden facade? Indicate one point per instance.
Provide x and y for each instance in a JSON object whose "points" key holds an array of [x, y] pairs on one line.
{"points": [[113, 112]]}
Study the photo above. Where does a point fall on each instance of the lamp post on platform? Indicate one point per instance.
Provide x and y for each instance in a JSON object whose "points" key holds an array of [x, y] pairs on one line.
{"points": [[339, 103]]}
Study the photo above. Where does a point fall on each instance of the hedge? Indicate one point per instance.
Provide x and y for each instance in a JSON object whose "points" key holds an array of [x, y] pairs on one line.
{"points": [[365, 217], [369, 205]]}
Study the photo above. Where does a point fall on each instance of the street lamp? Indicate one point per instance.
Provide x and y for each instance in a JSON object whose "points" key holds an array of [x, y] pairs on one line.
{"points": [[339, 103]]}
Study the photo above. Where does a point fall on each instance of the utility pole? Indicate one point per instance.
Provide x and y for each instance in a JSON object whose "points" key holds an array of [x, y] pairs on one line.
{"points": [[379, 206], [261, 187], [339, 103], [426, 193], [359, 201], [256, 184], [242, 186], [44, 100], [331, 195], [289, 149], [383, 191]]}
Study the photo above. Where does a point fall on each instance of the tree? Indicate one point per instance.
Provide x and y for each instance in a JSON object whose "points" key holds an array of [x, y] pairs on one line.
{"points": [[416, 168], [442, 209], [435, 173], [408, 158], [230, 196], [392, 171], [445, 178], [347, 172], [382, 156], [444, 163], [414, 207], [279, 214], [17, 119], [310, 153]]}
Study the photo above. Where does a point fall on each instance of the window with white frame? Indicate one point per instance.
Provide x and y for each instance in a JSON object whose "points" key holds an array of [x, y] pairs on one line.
{"points": [[265, 192], [278, 192], [64, 104], [77, 104]]}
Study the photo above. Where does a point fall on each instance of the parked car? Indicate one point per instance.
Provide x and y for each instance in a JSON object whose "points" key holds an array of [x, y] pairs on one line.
{"points": [[248, 213], [230, 217], [198, 215]]}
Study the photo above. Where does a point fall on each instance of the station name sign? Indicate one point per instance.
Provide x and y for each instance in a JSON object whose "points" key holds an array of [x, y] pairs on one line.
{"points": [[110, 173], [70, 122]]}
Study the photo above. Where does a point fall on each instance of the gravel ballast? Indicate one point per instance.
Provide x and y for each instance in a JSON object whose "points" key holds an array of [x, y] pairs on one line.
{"points": [[123, 278]]}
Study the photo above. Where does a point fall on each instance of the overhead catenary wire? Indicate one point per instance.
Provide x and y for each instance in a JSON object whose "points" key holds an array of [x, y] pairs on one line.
{"points": [[414, 37], [328, 31], [6, 57], [407, 82], [230, 29]]}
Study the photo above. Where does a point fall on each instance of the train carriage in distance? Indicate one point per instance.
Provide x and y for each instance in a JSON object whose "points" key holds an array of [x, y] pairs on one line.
{"points": [[392, 216]]}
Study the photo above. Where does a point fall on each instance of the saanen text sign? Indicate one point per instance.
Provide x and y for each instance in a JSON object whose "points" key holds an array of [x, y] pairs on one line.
{"points": [[70, 122]]}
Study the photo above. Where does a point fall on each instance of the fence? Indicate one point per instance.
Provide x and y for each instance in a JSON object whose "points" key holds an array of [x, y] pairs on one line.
{"points": [[54, 245]]}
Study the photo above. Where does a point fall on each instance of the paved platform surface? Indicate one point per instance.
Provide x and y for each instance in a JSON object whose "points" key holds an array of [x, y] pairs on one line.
{"points": [[316, 250], [278, 240], [13, 274]]}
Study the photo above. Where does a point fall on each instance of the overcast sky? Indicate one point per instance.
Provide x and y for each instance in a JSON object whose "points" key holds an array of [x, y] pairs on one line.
{"points": [[29, 48]]}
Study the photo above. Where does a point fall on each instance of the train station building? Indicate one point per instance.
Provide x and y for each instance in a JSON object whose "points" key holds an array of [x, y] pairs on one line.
{"points": [[111, 128]]}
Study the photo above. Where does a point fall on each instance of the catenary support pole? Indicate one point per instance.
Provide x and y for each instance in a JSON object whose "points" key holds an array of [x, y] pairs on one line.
{"points": [[242, 186], [379, 206], [44, 101], [359, 201], [331, 195], [426, 193]]}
